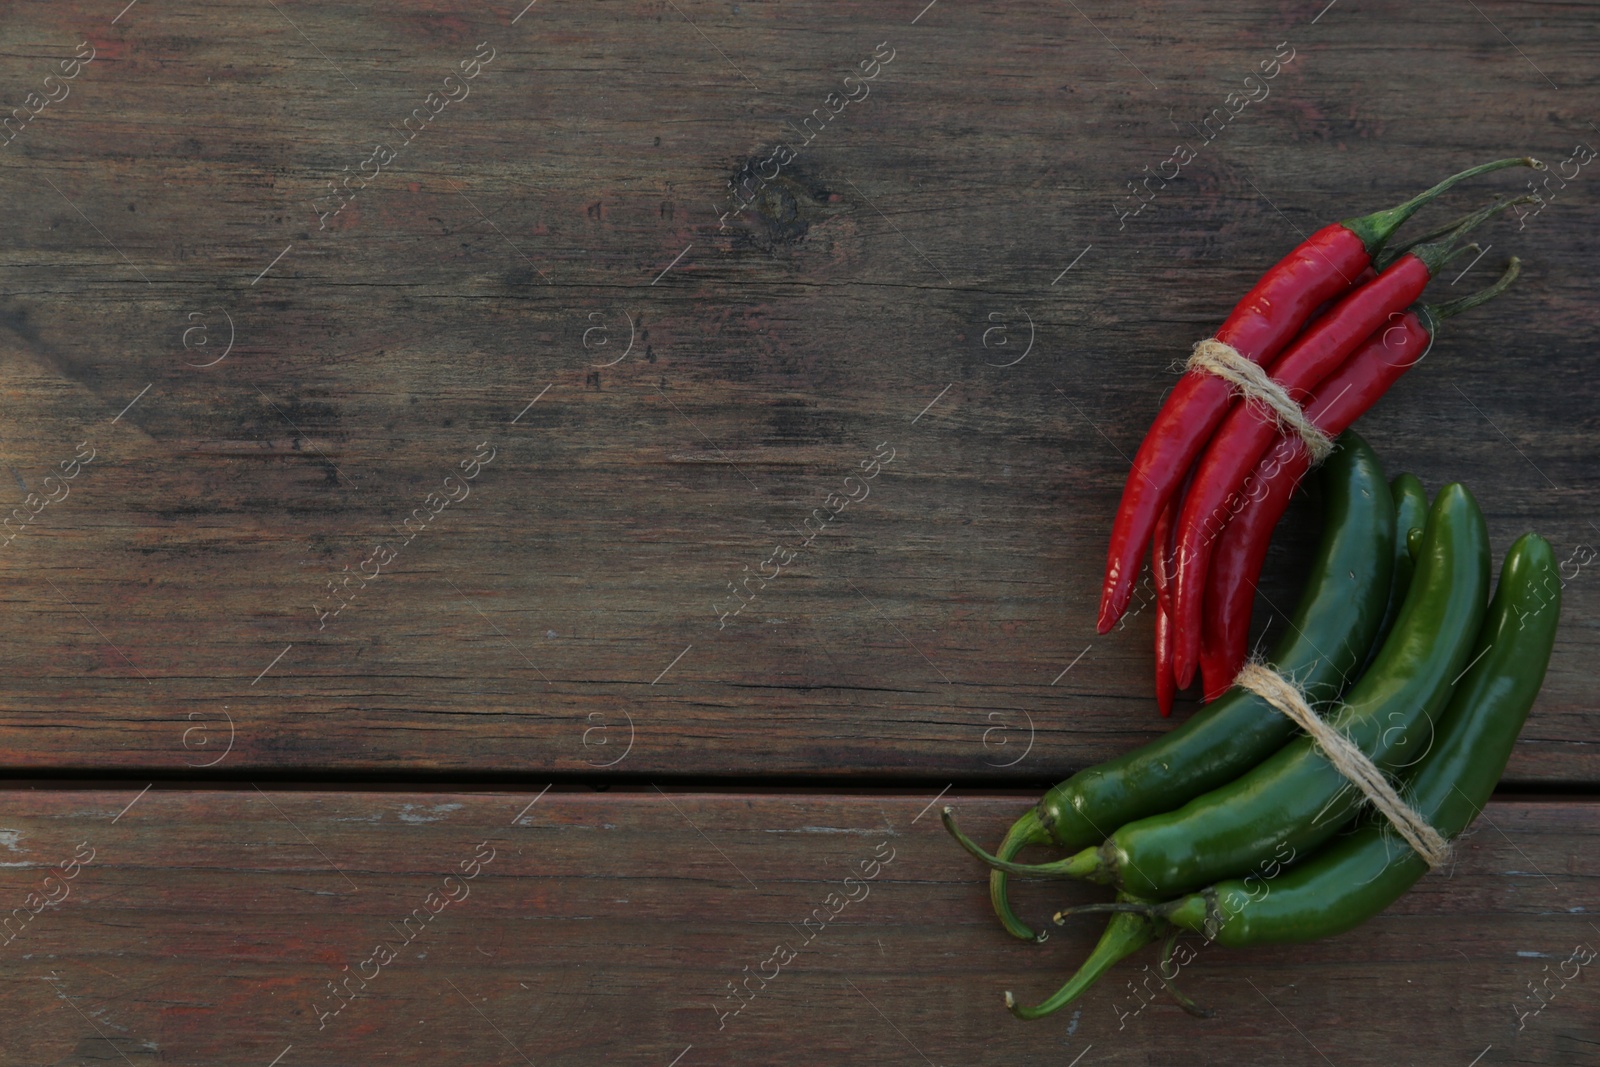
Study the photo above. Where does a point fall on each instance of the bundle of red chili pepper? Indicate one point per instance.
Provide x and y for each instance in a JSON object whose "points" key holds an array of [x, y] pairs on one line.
{"points": [[1314, 344]]}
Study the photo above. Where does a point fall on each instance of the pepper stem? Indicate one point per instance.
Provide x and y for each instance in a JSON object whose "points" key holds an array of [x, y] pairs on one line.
{"points": [[1376, 228], [1435, 254], [1467, 303], [1390, 254], [1028, 830], [1071, 867], [1147, 910], [1161, 972], [1125, 934]]}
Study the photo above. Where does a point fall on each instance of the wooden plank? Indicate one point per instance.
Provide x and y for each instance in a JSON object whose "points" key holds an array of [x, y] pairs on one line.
{"points": [[167, 613], [206, 928]]}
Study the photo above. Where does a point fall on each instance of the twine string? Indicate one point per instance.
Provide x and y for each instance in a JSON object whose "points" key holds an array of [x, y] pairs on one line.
{"points": [[1222, 360], [1349, 760]]}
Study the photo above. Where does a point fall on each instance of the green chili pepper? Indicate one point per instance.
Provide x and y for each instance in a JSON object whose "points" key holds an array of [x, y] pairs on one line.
{"points": [[1328, 636], [1296, 796], [1359, 875], [1124, 935], [1410, 513]]}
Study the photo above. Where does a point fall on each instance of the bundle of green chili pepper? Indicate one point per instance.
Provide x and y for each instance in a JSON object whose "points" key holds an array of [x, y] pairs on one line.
{"points": [[1179, 826]]}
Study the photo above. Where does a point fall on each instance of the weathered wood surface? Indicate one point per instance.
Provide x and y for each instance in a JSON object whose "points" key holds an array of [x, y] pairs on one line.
{"points": [[607, 927], [166, 613]]}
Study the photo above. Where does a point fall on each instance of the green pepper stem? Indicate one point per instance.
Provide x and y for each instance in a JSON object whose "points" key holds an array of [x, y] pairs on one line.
{"points": [[1376, 228], [1028, 830], [1434, 254], [1120, 906], [1125, 934], [1382, 262], [1161, 972], [1071, 867], [1467, 303], [1198, 912]]}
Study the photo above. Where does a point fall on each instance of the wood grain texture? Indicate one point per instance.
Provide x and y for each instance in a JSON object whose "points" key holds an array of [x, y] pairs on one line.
{"points": [[606, 928], [165, 615]]}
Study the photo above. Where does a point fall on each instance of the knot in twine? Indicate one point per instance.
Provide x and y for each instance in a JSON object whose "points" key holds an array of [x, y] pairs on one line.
{"points": [[1348, 760], [1221, 359]]}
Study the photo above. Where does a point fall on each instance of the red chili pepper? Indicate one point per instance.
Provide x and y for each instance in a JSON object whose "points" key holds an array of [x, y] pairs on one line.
{"points": [[1249, 429], [1242, 547], [1340, 399], [1160, 570], [1166, 686], [1258, 328], [1163, 584], [1225, 581], [1235, 566]]}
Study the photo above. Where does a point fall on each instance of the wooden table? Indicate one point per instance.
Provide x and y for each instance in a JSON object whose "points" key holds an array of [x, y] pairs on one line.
{"points": [[430, 394]]}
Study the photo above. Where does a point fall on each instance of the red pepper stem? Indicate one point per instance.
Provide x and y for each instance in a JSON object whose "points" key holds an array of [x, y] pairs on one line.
{"points": [[1390, 254], [1467, 303], [1436, 253], [1376, 228]]}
